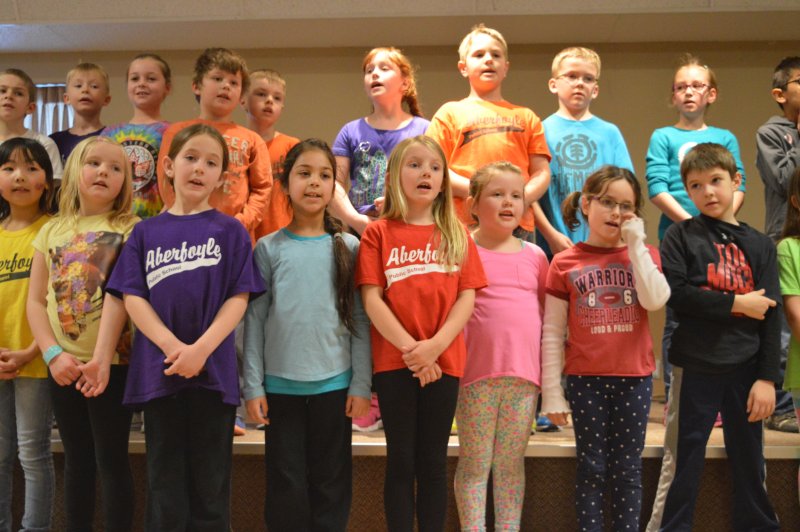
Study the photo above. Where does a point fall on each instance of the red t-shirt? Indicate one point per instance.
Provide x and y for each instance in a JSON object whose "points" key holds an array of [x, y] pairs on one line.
{"points": [[609, 333], [401, 258]]}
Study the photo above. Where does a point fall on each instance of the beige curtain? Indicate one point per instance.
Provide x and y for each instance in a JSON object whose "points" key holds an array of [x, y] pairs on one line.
{"points": [[51, 113]]}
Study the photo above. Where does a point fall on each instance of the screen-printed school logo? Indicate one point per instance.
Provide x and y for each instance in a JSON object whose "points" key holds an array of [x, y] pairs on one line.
{"points": [[606, 300], [409, 262], [162, 263], [15, 268]]}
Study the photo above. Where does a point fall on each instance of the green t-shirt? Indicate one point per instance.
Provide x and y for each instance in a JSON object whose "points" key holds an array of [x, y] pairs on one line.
{"points": [[789, 266]]}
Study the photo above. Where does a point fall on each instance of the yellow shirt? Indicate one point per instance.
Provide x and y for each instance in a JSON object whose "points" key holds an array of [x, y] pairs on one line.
{"points": [[16, 256]]}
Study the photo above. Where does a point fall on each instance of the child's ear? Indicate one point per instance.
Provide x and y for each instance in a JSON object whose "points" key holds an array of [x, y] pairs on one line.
{"points": [[712, 95], [551, 84], [471, 205], [737, 180], [107, 100], [595, 90], [584, 206], [29, 110], [196, 89], [778, 96], [462, 68], [222, 177], [169, 168]]}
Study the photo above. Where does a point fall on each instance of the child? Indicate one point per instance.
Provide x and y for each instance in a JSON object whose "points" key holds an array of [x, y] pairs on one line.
{"points": [[725, 349], [778, 155], [264, 104], [26, 184], [149, 82], [362, 147], [87, 92], [18, 97], [183, 366], [220, 79], [75, 253], [499, 388], [694, 89], [579, 142], [600, 291], [484, 128], [789, 264], [418, 271], [307, 352]]}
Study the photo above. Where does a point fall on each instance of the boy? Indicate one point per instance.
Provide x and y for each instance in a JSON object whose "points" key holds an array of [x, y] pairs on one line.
{"points": [[778, 144], [264, 104], [483, 128], [18, 100], [87, 92], [220, 78], [725, 350], [579, 142]]}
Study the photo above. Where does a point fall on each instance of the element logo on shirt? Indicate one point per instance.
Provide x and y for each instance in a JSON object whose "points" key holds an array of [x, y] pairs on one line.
{"points": [[412, 262], [15, 268], [576, 157], [492, 125], [684, 149], [732, 273], [606, 299], [78, 272], [162, 263], [370, 176]]}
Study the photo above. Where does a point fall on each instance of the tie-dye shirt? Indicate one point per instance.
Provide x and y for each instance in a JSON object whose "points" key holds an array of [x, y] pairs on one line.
{"points": [[142, 143]]}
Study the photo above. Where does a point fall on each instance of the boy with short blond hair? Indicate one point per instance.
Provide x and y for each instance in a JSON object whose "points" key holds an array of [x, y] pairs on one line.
{"points": [[725, 351], [264, 103], [18, 100], [220, 79], [579, 142], [87, 93], [484, 128]]}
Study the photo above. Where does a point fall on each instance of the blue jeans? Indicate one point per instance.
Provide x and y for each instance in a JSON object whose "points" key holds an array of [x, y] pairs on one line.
{"points": [[26, 419]]}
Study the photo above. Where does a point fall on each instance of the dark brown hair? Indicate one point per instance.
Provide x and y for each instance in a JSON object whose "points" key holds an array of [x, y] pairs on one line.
{"points": [[706, 156], [223, 59], [162, 65], [183, 136], [32, 152], [596, 185], [343, 260]]}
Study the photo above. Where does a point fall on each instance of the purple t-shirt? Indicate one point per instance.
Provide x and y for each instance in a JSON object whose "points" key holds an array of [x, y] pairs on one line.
{"points": [[186, 267], [67, 141], [369, 149]]}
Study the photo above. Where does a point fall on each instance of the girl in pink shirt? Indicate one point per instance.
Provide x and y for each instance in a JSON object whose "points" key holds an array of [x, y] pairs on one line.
{"points": [[600, 291], [496, 402]]}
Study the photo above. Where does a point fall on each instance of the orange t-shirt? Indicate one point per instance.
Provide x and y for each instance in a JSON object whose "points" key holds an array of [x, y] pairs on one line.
{"points": [[244, 193], [401, 258], [474, 133], [279, 212]]}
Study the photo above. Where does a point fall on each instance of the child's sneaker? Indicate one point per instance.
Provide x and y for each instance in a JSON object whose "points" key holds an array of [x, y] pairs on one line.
{"points": [[543, 424], [372, 421], [239, 427], [718, 422]]}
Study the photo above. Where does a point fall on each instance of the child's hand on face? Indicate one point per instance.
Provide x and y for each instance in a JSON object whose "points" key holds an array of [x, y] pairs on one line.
{"points": [[632, 228], [258, 409], [357, 406], [558, 418], [761, 400], [753, 304], [65, 369]]}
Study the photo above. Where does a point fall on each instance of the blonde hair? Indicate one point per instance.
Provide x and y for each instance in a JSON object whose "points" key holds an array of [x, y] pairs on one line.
{"points": [[273, 76], [89, 67], [482, 177], [577, 52], [466, 42], [406, 69], [450, 233], [69, 202]]}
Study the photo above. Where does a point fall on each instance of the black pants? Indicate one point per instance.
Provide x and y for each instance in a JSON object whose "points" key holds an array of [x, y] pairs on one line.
{"points": [[308, 463], [695, 399], [417, 422], [95, 437], [189, 439]]}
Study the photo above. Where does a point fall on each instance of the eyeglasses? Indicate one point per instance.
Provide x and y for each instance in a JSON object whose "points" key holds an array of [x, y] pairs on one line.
{"points": [[573, 80], [696, 87], [609, 204], [797, 80]]}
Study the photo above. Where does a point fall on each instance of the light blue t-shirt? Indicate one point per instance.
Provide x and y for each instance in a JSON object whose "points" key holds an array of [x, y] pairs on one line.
{"points": [[668, 145], [578, 147], [294, 342]]}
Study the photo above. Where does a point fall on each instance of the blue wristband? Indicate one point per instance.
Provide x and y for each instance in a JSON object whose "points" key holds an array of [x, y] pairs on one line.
{"points": [[51, 352]]}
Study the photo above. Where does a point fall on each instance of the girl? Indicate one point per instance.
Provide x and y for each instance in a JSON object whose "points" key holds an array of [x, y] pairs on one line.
{"points": [[149, 82], [418, 271], [183, 367], [362, 147], [789, 265], [75, 253], [499, 387], [694, 89], [600, 291], [307, 368], [26, 187]]}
